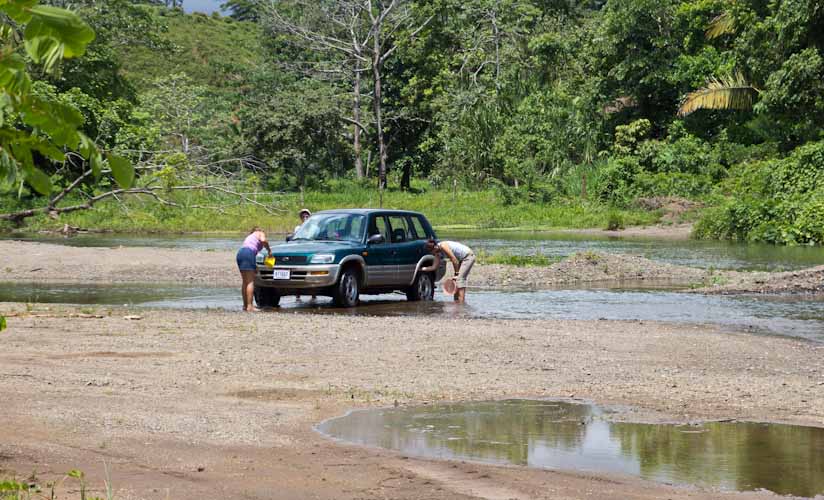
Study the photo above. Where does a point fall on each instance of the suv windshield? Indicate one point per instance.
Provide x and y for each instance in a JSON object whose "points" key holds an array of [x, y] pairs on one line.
{"points": [[331, 227]]}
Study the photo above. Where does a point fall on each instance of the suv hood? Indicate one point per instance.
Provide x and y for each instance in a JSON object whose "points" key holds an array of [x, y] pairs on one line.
{"points": [[311, 247]]}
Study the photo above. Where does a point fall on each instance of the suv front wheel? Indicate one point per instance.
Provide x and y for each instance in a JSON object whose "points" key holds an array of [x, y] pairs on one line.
{"points": [[347, 291], [266, 297], [422, 289]]}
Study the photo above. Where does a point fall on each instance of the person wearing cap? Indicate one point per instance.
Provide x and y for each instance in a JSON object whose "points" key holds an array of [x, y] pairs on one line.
{"points": [[303, 214], [462, 258]]}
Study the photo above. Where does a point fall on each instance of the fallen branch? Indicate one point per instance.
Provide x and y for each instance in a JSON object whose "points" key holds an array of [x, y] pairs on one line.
{"points": [[18, 217]]}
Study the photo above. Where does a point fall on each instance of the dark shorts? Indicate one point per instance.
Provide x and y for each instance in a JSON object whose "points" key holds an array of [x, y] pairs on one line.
{"points": [[246, 259]]}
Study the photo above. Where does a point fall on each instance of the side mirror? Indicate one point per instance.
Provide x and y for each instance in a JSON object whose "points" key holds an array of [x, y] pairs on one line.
{"points": [[289, 237], [375, 239]]}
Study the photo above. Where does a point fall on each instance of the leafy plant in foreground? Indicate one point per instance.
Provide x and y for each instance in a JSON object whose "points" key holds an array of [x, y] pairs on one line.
{"points": [[32, 127]]}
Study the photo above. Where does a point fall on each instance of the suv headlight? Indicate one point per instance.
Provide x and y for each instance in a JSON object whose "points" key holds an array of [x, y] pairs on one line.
{"points": [[323, 258]]}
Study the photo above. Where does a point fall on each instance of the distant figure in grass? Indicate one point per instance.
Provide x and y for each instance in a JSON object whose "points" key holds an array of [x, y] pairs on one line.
{"points": [[304, 214], [462, 258], [246, 264]]}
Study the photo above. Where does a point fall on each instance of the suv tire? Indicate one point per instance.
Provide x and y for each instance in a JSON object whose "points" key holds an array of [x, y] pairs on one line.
{"points": [[347, 290], [266, 297], [422, 289]]}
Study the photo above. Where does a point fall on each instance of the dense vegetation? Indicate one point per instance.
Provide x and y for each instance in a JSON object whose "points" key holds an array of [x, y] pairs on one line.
{"points": [[553, 112]]}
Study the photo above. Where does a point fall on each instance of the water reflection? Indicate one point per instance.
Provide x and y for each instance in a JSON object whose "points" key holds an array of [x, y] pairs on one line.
{"points": [[741, 456]]}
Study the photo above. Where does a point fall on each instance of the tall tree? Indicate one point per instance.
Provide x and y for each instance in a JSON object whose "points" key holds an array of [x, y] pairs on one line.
{"points": [[359, 36], [242, 10]]}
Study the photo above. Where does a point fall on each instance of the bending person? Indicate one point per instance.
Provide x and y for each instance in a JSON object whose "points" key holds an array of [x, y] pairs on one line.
{"points": [[462, 258], [246, 264]]}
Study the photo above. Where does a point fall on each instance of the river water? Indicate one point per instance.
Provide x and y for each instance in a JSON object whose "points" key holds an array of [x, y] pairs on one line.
{"points": [[694, 253], [787, 316]]}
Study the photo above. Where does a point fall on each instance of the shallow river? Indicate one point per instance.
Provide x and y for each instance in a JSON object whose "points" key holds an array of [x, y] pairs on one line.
{"points": [[703, 254], [788, 316]]}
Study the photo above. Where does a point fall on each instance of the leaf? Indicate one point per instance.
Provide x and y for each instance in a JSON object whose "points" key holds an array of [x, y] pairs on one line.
{"points": [[122, 171], [19, 10], [2, 323], [731, 92], [13, 76], [39, 181], [53, 34], [723, 24], [90, 152]]}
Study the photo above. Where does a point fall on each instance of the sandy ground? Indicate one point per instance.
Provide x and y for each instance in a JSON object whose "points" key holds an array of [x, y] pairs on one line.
{"points": [[676, 231], [208, 404], [221, 405]]}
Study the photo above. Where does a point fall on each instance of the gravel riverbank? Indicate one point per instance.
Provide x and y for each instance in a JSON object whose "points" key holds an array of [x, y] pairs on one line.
{"points": [[206, 404]]}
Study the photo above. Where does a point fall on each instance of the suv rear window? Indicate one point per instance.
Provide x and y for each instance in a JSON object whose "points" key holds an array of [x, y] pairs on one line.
{"points": [[417, 224]]}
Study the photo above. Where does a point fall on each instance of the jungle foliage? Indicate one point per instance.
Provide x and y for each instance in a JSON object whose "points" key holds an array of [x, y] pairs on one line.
{"points": [[542, 102]]}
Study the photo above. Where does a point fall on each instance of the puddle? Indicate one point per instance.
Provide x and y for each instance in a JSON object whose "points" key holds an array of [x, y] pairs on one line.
{"points": [[694, 253], [788, 316], [743, 456]]}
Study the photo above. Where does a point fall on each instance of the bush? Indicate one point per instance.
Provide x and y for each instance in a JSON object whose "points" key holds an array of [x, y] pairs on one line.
{"points": [[686, 167], [615, 221], [776, 201]]}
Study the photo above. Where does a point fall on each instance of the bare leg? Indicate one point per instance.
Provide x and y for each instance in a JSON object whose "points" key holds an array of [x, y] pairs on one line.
{"points": [[461, 295], [248, 291], [243, 289]]}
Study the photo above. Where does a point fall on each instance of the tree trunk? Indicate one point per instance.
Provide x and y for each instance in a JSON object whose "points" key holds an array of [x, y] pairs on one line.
{"points": [[376, 72], [356, 115]]}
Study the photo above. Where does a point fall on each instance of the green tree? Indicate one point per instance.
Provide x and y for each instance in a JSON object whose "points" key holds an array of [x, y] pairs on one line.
{"points": [[243, 10], [34, 124]]}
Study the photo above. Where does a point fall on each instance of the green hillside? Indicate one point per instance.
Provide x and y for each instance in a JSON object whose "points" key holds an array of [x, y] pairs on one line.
{"points": [[212, 50]]}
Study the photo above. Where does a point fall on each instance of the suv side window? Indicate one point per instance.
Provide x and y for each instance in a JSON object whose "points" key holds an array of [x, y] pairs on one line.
{"points": [[417, 225], [401, 230], [378, 225]]}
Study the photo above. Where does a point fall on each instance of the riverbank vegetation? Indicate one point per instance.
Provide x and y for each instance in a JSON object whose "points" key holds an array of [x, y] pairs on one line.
{"points": [[485, 113]]}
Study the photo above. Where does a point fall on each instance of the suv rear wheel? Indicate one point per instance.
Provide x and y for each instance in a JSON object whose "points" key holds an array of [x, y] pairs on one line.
{"points": [[347, 291], [422, 289], [266, 297]]}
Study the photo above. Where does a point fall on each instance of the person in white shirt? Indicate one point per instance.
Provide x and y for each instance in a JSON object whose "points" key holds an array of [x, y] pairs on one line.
{"points": [[462, 258], [303, 214]]}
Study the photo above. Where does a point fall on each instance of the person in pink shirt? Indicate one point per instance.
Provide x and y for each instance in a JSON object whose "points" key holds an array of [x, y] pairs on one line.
{"points": [[246, 264]]}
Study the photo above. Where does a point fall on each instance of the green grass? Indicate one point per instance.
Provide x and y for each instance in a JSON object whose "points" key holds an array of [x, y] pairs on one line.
{"points": [[468, 210], [516, 260]]}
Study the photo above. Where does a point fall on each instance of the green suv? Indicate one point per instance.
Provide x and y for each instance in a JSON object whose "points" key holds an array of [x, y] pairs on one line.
{"points": [[347, 253]]}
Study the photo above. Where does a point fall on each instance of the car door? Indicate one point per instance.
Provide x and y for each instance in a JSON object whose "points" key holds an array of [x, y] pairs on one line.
{"points": [[408, 248], [381, 266]]}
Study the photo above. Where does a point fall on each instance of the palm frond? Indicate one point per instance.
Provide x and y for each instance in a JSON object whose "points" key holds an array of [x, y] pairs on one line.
{"points": [[730, 92], [723, 24]]}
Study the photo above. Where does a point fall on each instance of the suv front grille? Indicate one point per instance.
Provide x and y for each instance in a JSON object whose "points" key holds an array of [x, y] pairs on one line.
{"points": [[288, 260]]}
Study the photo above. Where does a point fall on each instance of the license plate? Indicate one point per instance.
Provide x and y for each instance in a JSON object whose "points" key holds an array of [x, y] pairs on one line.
{"points": [[281, 274]]}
